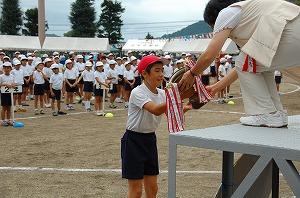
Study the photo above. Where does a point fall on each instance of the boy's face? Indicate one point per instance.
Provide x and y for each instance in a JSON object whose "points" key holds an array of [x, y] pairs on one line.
{"points": [[55, 70], [88, 68], [100, 68], [6, 70], [128, 67], [156, 75], [17, 66], [112, 66]]}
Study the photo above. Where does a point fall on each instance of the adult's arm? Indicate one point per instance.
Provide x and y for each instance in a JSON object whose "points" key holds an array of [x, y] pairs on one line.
{"points": [[205, 59]]}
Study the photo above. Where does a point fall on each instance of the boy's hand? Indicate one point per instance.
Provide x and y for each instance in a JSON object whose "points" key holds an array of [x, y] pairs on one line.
{"points": [[187, 107]]}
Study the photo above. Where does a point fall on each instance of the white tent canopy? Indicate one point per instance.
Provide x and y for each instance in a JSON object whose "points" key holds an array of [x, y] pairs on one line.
{"points": [[9, 42], [144, 45], [197, 46]]}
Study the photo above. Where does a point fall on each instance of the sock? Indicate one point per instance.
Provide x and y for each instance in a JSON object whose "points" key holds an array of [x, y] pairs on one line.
{"points": [[88, 104]]}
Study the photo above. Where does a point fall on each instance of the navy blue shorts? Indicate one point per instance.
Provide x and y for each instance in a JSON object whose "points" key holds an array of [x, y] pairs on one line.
{"points": [[98, 92], [88, 86], [114, 90], [139, 155]]}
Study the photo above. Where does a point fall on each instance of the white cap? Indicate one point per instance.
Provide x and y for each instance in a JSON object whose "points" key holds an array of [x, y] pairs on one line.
{"points": [[79, 56], [54, 66], [45, 56], [99, 64], [126, 63], [17, 62], [68, 61], [55, 57], [133, 58], [118, 58], [71, 53], [17, 52], [188, 54], [23, 57], [223, 60], [91, 56], [89, 64], [47, 60], [29, 54], [110, 54], [38, 63], [112, 62], [7, 64], [129, 51], [180, 61], [183, 53], [167, 57], [228, 56], [55, 54], [30, 58], [6, 57]]}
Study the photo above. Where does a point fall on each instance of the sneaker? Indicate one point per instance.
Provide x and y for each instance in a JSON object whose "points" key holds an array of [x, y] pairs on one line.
{"points": [[89, 110], [126, 106], [36, 112], [4, 123], [47, 105], [61, 113], [100, 113], [284, 115], [67, 107], [55, 113], [274, 120], [71, 107], [25, 104], [42, 111], [112, 106]]}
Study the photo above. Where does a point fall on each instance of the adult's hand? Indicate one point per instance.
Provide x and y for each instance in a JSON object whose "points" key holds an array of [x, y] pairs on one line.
{"points": [[186, 81]]}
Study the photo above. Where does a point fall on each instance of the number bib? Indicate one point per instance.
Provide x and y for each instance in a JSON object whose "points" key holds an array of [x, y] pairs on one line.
{"points": [[17, 89]]}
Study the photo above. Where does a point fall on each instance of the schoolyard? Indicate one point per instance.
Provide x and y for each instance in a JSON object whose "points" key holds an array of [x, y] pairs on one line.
{"points": [[78, 155]]}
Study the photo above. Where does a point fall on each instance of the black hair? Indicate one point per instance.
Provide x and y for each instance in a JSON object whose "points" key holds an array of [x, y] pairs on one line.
{"points": [[148, 69], [213, 8]]}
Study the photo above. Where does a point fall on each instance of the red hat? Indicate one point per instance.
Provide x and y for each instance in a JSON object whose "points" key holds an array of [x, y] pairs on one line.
{"points": [[146, 61]]}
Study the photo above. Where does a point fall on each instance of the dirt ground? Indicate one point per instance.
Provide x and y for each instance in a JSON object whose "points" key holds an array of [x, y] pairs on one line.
{"points": [[84, 141]]}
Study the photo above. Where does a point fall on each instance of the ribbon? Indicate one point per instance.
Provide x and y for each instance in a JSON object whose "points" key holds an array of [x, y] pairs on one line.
{"points": [[249, 65], [174, 109], [203, 94]]}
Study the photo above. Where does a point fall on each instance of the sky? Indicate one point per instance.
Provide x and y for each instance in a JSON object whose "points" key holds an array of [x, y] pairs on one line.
{"points": [[157, 17]]}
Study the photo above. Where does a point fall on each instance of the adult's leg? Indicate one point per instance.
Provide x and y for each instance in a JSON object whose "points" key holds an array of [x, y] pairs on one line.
{"points": [[151, 188]]}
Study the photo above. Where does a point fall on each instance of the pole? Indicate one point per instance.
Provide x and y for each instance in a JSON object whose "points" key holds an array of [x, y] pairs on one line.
{"points": [[41, 22], [227, 174], [103, 101], [12, 106]]}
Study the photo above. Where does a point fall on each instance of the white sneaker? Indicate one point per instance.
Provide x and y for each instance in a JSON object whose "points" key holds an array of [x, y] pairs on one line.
{"points": [[284, 115], [48, 105], [276, 120]]}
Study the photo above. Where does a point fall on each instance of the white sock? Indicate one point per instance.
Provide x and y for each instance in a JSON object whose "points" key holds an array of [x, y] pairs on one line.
{"points": [[88, 104]]}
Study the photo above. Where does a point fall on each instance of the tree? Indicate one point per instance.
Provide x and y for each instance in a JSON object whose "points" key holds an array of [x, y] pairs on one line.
{"points": [[110, 21], [11, 22], [295, 1], [31, 22], [82, 18], [149, 36]]}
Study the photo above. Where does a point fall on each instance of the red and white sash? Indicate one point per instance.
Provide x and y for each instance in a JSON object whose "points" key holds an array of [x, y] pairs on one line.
{"points": [[174, 109], [249, 65]]}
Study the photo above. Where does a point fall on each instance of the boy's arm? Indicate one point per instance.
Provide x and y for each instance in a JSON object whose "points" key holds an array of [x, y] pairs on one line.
{"points": [[156, 109]]}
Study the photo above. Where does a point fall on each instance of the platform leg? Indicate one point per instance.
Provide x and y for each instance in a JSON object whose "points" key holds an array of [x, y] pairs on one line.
{"points": [[227, 174]]}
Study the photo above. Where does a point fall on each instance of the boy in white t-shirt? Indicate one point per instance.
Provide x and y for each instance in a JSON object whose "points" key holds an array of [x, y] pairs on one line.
{"points": [[221, 75], [38, 87], [19, 80], [56, 86], [129, 81], [138, 148], [6, 80], [113, 75]]}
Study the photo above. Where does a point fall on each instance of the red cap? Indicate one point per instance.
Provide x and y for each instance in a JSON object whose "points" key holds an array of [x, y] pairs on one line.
{"points": [[146, 61]]}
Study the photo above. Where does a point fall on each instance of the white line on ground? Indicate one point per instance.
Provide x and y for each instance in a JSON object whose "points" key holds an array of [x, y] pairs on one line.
{"points": [[90, 170]]}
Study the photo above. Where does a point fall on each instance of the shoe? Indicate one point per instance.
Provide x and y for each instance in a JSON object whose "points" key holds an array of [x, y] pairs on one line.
{"points": [[100, 113], [22, 110], [89, 110], [80, 101], [284, 115], [61, 113], [55, 113], [4, 123], [126, 106], [24, 104], [36, 112], [42, 111], [112, 106], [71, 108], [67, 107], [47, 105], [275, 120]]}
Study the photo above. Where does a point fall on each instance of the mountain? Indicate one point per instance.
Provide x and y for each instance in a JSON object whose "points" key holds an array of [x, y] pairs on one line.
{"points": [[197, 28]]}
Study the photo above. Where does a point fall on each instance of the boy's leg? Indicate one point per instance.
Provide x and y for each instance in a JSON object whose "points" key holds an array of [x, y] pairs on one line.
{"points": [[269, 78], [150, 185], [135, 188]]}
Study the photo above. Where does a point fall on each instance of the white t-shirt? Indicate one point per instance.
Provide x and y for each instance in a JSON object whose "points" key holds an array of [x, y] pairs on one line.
{"points": [[139, 119], [80, 66], [7, 79], [222, 71], [48, 72], [106, 68], [129, 75], [228, 18], [206, 71], [112, 73], [27, 70], [120, 69], [228, 67], [19, 76], [57, 81], [134, 69], [277, 73], [101, 77], [38, 78], [71, 74], [168, 71], [88, 76]]}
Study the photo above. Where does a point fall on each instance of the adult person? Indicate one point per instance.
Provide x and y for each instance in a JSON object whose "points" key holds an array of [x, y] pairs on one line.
{"points": [[268, 34]]}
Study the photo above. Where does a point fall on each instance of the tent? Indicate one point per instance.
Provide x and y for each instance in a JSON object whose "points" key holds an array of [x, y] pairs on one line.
{"points": [[9, 42], [144, 45], [197, 46]]}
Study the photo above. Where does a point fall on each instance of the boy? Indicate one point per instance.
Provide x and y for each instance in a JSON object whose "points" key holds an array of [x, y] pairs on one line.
{"points": [[6, 80], [113, 76], [38, 87], [138, 145], [19, 80], [56, 85]]}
